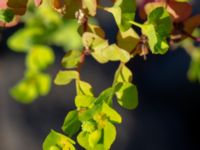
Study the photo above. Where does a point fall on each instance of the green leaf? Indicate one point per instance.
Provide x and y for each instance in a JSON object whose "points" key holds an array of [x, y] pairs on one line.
{"points": [[71, 124], [105, 96], [109, 135], [127, 95], [89, 126], [84, 101], [123, 12], [66, 35], [24, 92], [87, 114], [23, 40], [111, 113], [90, 5], [43, 83], [84, 88], [33, 85], [94, 138], [65, 77], [71, 59], [114, 53], [123, 74], [95, 43], [6, 15], [56, 141], [39, 58], [96, 30], [127, 40], [157, 29], [82, 139]]}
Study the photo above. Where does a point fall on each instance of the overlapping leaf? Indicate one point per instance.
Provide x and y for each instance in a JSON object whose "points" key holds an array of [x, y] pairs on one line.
{"points": [[157, 29]]}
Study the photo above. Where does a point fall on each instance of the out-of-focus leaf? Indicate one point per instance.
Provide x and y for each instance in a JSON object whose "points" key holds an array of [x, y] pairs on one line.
{"points": [[71, 59], [65, 77], [17, 6], [24, 39], [6, 15], [90, 5], [39, 58]]}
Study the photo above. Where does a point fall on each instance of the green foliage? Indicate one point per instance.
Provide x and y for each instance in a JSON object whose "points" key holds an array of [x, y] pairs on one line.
{"points": [[57, 141], [31, 87], [6, 15], [123, 12], [94, 119], [157, 28], [65, 77]]}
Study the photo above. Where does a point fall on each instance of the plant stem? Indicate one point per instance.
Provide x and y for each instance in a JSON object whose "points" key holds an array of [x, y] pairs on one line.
{"points": [[136, 24]]}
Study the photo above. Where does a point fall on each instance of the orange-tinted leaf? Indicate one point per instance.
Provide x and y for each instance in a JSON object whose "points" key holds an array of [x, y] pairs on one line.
{"points": [[58, 4], [180, 11], [67, 8], [18, 6], [192, 23]]}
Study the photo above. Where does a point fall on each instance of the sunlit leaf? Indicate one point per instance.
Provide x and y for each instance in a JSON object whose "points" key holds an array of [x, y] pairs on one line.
{"points": [[157, 29], [39, 58], [127, 95], [83, 101], [123, 74], [56, 140], [109, 135], [90, 5], [123, 12], [127, 40], [111, 113], [71, 59], [84, 88], [115, 53], [65, 77], [71, 124], [94, 138], [82, 139]]}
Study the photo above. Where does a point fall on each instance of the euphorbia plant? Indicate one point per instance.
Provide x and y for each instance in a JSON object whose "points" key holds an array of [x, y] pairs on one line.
{"points": [[165, 22]]}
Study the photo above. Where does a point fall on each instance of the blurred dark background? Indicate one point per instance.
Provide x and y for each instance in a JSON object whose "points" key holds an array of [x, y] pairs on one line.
{"points": [[167, 117]]}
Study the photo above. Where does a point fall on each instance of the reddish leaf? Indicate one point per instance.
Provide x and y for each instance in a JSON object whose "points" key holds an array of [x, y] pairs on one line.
{"points": [[18, 6], [191, 24], [180, 11], [177, 10], [38, 2], [3, 4]]}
